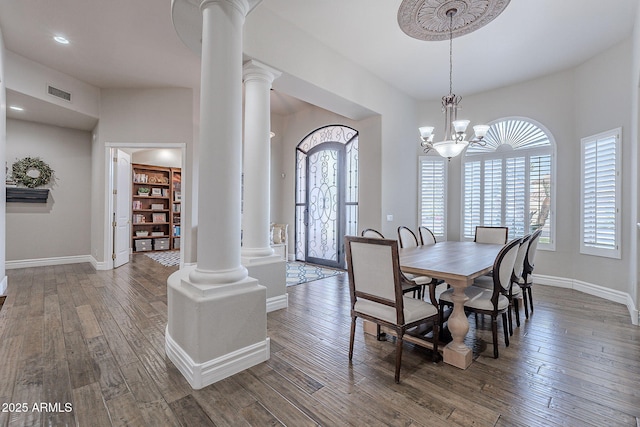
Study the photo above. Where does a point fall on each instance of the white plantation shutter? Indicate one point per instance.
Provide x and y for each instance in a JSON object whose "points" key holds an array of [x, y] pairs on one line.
{"points": [[432, 187], [492, 193], [472, 196], [515, 192], [508, 181], [600, 201]]}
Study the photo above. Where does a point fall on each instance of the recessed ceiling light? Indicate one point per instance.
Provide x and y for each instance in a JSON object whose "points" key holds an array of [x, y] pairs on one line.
{"points": [[61, 40], [16, 108]]}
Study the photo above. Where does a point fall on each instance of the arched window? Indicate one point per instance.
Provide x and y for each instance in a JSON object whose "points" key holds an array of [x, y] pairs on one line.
{"points": [[510, 181], [326, 194]]}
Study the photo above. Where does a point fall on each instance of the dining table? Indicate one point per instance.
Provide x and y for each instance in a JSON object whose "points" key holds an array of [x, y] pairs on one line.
{"points": [[458, 264]]}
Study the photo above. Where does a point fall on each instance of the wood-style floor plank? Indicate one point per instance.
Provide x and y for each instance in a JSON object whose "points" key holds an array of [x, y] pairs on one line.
{"points": [[95, 340]]}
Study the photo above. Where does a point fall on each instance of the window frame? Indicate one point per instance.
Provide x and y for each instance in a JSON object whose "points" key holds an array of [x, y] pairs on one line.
{"points": [[436, 159], [527, 154], [585, 247]]}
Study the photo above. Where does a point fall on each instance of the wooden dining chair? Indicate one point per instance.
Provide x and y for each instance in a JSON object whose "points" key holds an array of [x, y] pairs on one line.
{"points": [[426, 236], [408, 285], [495, 235], [515, 292], [370, 232], [408, 239], [375, 286], [492, 302], [526, 281]]}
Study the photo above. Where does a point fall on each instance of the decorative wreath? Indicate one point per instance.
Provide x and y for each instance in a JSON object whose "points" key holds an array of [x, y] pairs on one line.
{"points": [[31, 172]]}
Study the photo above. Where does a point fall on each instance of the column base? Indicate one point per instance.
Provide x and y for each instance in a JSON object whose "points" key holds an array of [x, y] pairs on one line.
{"points": [[459, 358], [215, 330], [200, 375], [272, 274]]}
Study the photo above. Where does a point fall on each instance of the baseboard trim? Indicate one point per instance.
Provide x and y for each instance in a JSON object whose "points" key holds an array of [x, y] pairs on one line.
{"points": [[277, 302], [44, 262], [591, 289], [3, 286], [200, 375]]}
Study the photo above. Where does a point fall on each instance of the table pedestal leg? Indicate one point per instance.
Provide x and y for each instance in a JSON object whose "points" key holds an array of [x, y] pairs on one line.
{"points": [[456, 353]]}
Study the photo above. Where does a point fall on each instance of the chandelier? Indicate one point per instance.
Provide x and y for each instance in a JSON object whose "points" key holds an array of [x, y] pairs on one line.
{"points": [[454, 141]]}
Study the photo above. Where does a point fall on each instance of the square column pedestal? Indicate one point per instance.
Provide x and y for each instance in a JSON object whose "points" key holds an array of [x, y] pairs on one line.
{"points": [[271, 272], [215, 331]]}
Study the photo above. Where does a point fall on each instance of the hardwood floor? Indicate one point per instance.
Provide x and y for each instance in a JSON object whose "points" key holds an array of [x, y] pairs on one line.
{"points": [[95, 340]]}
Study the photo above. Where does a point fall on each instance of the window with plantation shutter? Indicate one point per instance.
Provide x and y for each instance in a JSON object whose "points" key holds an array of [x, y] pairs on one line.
{"points": [[600, 199], [432, 186], [508, 181]]}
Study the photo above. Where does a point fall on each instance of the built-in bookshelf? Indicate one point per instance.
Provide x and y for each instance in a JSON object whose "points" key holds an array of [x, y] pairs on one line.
{"points": [[176, 206], [154, 208]]}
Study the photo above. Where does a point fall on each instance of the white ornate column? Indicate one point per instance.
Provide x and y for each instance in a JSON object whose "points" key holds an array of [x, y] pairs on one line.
{"points": [[257, 160], [210, 305], [257, 255]]}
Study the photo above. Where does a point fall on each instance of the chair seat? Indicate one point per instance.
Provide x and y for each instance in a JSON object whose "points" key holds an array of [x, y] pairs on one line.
{"points": [[414, 309], [479, 298], [419, 280], [487, 283]]}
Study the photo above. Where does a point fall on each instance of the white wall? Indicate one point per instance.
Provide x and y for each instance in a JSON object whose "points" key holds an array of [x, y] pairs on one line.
{"points": [[3, 144], [61, 227], [31, 78], [572, 104], [320, 76], [154, 116], [603, 102], [165, 157]]}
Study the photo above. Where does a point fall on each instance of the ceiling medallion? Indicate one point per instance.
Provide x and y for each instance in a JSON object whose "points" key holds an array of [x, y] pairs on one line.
{"points": [[428, 19]]}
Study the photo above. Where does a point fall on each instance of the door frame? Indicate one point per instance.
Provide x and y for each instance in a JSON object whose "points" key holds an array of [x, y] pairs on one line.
{"points": [[341, 211], [109, 180]]}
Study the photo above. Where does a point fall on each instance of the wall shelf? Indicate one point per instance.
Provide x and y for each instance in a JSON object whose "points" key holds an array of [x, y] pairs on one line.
{"points": [[27, 195]]}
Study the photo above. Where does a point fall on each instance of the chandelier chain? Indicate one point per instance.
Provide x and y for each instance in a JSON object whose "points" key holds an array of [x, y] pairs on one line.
{"points": [[450, 52]]}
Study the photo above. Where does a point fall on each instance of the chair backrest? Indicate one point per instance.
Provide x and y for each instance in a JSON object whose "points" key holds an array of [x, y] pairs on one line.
{"points": [[503, 267], [374, 272], [518, 267], [530, 259], [406, 237], [370, 232], [496, 235], [426, 236]]}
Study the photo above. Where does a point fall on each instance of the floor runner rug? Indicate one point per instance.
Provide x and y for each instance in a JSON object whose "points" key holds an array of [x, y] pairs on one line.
{"points": [[166, 258], [300, 272], [297, 272]]}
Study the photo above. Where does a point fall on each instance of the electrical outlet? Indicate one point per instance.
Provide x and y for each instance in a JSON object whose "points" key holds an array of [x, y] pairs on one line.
{"points": [[389, 218]]}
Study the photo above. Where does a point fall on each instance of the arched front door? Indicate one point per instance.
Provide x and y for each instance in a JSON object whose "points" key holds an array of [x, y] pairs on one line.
{"points": [[326, 194]]}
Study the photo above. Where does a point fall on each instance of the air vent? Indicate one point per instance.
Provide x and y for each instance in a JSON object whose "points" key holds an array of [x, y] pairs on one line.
{"points": [[58, 93]]}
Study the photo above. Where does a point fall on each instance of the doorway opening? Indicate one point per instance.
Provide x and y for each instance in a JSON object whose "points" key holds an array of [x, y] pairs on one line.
{"points": [[118, 228], [326, 194]]}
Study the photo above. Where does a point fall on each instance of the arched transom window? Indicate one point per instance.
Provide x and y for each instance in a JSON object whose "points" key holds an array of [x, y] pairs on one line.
{"points": [[510, 181]]}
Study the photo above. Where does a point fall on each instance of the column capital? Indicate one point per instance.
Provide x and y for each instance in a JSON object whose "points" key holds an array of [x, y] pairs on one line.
{"points": [[187, 18], [253, 69]]}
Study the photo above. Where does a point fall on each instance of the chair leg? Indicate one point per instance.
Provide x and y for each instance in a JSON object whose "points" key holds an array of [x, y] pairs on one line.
{"points": [[494, 333], [510, 320], [353, 333], [398, 356], [530, 299], [524, 300], [516, 308], [436, 332], [504, 326], [378, 332]]}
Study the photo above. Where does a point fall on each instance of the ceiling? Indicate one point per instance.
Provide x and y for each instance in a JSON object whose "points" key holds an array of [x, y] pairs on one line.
{"points": [[127, 44]]}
